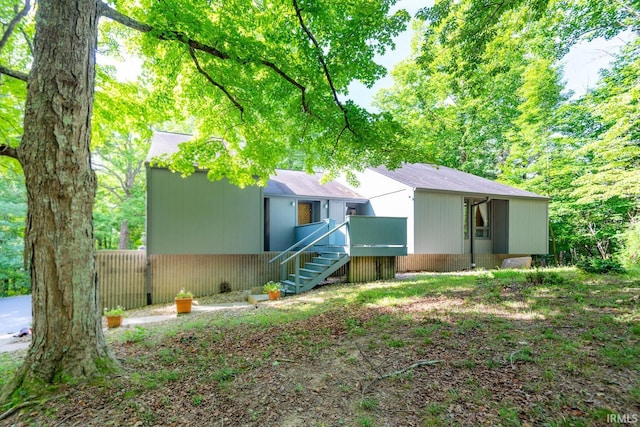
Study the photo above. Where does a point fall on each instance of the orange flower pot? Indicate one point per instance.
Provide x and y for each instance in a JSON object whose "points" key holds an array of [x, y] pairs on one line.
{"points": [[114, 321], [274, 295], [183, 305]]}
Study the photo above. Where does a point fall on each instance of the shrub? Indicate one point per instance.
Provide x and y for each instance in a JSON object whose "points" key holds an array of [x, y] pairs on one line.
{"points": [[184, 294], [117, 311], [630, 254], [599, 265], [541, 277]]}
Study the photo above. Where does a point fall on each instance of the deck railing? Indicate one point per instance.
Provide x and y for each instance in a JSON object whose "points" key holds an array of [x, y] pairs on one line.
{"points": [[366, 236], [377, 236], [307, 247]]}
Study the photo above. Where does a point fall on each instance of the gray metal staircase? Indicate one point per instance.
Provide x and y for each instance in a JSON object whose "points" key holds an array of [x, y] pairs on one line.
{"points": [[329, 260], [314, 272], [364, 237]]}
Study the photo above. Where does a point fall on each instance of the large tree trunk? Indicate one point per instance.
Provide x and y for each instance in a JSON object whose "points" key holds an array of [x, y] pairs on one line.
{"points": [[59, 243]]}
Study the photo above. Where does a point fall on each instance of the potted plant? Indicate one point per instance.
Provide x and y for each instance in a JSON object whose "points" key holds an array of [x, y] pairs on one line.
{"points": [[272, 289], [183, 301], [114, 316]]}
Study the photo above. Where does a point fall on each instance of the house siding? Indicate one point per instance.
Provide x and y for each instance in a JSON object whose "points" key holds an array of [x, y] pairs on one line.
{"points": [[282, 220], [388, 198], [449, 262], [196, 216], [438, 223], [337, 212], [528, 227]]}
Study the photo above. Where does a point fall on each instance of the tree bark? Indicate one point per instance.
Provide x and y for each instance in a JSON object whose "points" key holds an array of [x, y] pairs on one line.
{"points": [[59, 242], [124, 235]]}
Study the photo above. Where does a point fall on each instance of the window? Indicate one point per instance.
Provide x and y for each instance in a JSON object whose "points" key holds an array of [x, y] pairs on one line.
{"points": [[482, 221]]}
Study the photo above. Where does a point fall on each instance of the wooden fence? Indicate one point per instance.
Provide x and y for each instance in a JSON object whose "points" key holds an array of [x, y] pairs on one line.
{"points": [[131, 279], [122, 278]]}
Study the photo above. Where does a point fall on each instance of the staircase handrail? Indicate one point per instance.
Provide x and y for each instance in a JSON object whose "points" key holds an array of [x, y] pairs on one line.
{"points": [[325, 235], [296, 244]]}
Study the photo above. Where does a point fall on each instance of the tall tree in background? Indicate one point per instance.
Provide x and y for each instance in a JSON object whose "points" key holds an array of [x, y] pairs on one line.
{"points": [[484, 94], [608, 187], [124, 117], [14, 51], [462, 102], [265, 76], [14, 280]]}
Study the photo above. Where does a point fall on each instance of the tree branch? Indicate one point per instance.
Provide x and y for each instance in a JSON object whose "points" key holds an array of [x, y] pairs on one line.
{"points": [[12, 24], [27, 40], [116, 16], [101, 167], [8, 151], [285, 76], [325, 68], [213, 82], [401, 371], [13, 73]]}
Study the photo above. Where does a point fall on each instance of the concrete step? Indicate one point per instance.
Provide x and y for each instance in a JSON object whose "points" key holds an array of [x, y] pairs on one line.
{"points": [[254, 299]]}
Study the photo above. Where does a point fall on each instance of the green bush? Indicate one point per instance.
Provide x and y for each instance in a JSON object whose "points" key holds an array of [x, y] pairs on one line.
{"points": [[630, 254], [14, 279], [599, 265], [541, 277]]}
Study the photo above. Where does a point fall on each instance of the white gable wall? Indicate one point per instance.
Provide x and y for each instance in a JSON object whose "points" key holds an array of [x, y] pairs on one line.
{"points": [[528, 227], [388, 197]]}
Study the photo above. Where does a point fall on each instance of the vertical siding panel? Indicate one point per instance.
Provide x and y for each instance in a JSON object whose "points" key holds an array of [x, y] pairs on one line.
{"points": [[450, 262], [370, 268], [203, 274], [121, 278]]}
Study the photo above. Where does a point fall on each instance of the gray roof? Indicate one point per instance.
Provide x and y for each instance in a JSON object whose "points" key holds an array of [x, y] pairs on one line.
{"points": [[166, 143], [284, 183], [418, 176], [301, 184], [422, 176]]}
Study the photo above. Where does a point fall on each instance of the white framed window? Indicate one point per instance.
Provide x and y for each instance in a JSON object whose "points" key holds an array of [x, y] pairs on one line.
{"points": [[482, 221]]}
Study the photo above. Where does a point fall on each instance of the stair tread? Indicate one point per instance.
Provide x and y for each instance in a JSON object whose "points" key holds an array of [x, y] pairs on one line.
{"points": [[301, 277], [314, 264], [313, 272], [291, 283]]}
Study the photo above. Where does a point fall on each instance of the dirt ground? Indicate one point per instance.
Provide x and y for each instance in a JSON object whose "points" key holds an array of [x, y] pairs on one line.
{"points": [[432, 359]]}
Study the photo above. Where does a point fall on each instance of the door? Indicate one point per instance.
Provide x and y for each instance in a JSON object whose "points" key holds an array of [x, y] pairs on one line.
{"points": [[267, 224], [304, 213], [500, 226]]}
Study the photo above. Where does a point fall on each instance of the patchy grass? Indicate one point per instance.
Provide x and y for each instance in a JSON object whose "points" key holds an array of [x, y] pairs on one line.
{"points": [[9, 364], [511, 348]]}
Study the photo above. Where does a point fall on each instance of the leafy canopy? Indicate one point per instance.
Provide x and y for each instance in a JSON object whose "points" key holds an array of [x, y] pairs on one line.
{"points": [[265, 79]]}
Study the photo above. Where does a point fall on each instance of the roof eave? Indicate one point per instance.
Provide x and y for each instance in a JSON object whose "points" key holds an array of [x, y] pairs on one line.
{"points": [[476, 194]]}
